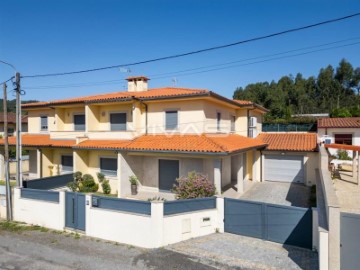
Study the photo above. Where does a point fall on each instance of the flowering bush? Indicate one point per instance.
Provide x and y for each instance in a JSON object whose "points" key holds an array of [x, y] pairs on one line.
{"points": [[194, 185]]}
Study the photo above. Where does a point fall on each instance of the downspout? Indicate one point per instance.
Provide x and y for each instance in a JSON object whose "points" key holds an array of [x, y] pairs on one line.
{"points": [[146, 113], [41, 164]]}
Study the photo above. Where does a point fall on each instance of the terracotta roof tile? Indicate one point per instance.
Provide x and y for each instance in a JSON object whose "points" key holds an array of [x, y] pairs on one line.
{"points": [[290, 141], [348, 122], [151, 93], [12, 118], [178, 143], [40, 140], [243, 102]]}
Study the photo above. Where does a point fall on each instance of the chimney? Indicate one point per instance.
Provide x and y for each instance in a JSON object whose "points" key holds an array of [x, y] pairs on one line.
{"points": [[137, 83]]}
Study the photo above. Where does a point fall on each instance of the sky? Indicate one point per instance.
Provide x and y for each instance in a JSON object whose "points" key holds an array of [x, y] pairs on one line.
{"points": [[48, 36]]}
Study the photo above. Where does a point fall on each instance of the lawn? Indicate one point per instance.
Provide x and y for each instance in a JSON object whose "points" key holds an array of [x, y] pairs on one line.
{"points": [[12, 183]]}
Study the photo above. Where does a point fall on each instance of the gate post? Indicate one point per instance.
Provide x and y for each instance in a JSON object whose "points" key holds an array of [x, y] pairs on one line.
{"points": [[156, 234], [220, 207], [62, 211]]}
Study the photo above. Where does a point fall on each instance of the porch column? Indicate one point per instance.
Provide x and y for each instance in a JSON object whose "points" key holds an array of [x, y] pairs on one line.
{"points": [[358, 169], [240, 174], [38, 164], [217, 175], [119, 163], [354, 167], [254, 167]]}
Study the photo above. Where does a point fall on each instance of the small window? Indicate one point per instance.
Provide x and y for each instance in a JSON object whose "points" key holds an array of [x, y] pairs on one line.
{"points": [[343, 139], [67, 164], [171, 120], [108, 166], [232, 123], [43, 123], [118, 121], [79, 122], [218, 120]]}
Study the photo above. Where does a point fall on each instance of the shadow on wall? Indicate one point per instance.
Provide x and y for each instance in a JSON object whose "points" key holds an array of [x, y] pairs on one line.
{"points": [[298, 195], [302, 236]]}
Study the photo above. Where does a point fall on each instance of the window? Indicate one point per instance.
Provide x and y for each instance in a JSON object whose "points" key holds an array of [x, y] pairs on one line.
{"points": [[108, 166], [67, 164], [343, 139], [232, 123], [79, 122], [218, 120], [118, 121], [171, 120], [43, 123]]}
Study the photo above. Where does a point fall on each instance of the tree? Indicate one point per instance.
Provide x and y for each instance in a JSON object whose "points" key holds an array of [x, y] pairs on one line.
{"points": [[330, 89]]}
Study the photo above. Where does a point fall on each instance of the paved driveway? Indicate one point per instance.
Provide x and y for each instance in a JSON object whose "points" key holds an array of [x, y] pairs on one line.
{"points": [[279, 193], [242, 252]]}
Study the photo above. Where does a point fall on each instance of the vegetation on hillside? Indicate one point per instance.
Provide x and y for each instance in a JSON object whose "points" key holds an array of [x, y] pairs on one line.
{"points": [[332, 91], [12, 104]]}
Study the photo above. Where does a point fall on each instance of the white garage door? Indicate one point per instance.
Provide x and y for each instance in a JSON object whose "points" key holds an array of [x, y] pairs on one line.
{"points": [[283, 168]]}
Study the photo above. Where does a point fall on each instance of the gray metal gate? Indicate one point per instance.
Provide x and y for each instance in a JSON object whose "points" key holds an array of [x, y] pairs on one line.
{"points": [[350, 241], [282, 224], [75, 210]]}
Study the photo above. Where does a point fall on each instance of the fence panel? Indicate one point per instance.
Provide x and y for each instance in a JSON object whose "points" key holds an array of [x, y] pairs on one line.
{"points": [[51, 182], [125, 205], [41, 195], [190, 205], [350, 241]]}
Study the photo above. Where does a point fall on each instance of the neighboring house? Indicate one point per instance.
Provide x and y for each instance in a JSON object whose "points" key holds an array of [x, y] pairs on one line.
{"points": [[12, 123], [339, 131], [156, 134], [290, 157]]}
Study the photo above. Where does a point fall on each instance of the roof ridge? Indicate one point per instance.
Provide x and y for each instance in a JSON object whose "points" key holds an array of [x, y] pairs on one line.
{"points": [[208, 138]]}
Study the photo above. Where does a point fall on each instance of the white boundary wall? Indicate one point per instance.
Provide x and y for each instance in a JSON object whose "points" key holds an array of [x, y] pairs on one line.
{"points": [[41, 213], [147, 231]]}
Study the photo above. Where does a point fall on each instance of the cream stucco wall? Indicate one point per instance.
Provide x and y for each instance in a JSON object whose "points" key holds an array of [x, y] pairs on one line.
{"points": [[190, 116], [34, 120], [226, 171], [211, 109]]}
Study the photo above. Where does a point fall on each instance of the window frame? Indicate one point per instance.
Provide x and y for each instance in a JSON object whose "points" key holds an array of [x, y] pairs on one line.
{"points": [[126, 121], [232, 123], [177, 119], [218, 121], [109, 173], [62, 166], [79, 114], [342, 140], [47, 123]]}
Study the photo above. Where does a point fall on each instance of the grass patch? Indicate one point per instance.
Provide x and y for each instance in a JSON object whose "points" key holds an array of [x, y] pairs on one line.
{"points": [[13, 226], [12, 183], [312, 199]]}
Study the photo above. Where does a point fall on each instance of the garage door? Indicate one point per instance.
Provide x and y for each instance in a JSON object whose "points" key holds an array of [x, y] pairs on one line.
{"points": [[283, 168], [168, 172]]}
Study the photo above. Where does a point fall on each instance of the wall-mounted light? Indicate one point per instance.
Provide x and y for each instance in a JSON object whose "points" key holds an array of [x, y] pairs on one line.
{"points": [[103, 114]]}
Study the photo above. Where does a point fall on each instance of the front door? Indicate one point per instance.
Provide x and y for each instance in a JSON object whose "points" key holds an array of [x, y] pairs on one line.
{"points": [[75, 210], [168, 173]]}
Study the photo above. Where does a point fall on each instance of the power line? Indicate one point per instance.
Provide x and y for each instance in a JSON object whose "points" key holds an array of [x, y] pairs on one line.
{"points": [[160, 76], [261, 61], [201, 50]]}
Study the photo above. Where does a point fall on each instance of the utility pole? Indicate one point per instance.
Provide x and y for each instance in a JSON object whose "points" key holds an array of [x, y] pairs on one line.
{"points": [[6, 143], [18, 131]]}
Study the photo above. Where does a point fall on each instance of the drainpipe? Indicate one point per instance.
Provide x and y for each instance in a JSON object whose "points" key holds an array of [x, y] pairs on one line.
{"points": [[146, 113], [41, 163]]}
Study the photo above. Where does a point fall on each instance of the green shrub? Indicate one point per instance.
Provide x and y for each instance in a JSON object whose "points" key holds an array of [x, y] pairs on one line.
{"points": [[133, 180], [88, 184], [343, 155], [194, 185], [104, 183]]}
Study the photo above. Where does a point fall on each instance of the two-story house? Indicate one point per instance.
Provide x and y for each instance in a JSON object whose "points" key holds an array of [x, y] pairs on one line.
{"points": [[156, 134]]}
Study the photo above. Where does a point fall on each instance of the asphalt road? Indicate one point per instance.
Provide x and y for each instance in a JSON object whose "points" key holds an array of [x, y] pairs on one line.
{"points": [[42, 249]]}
